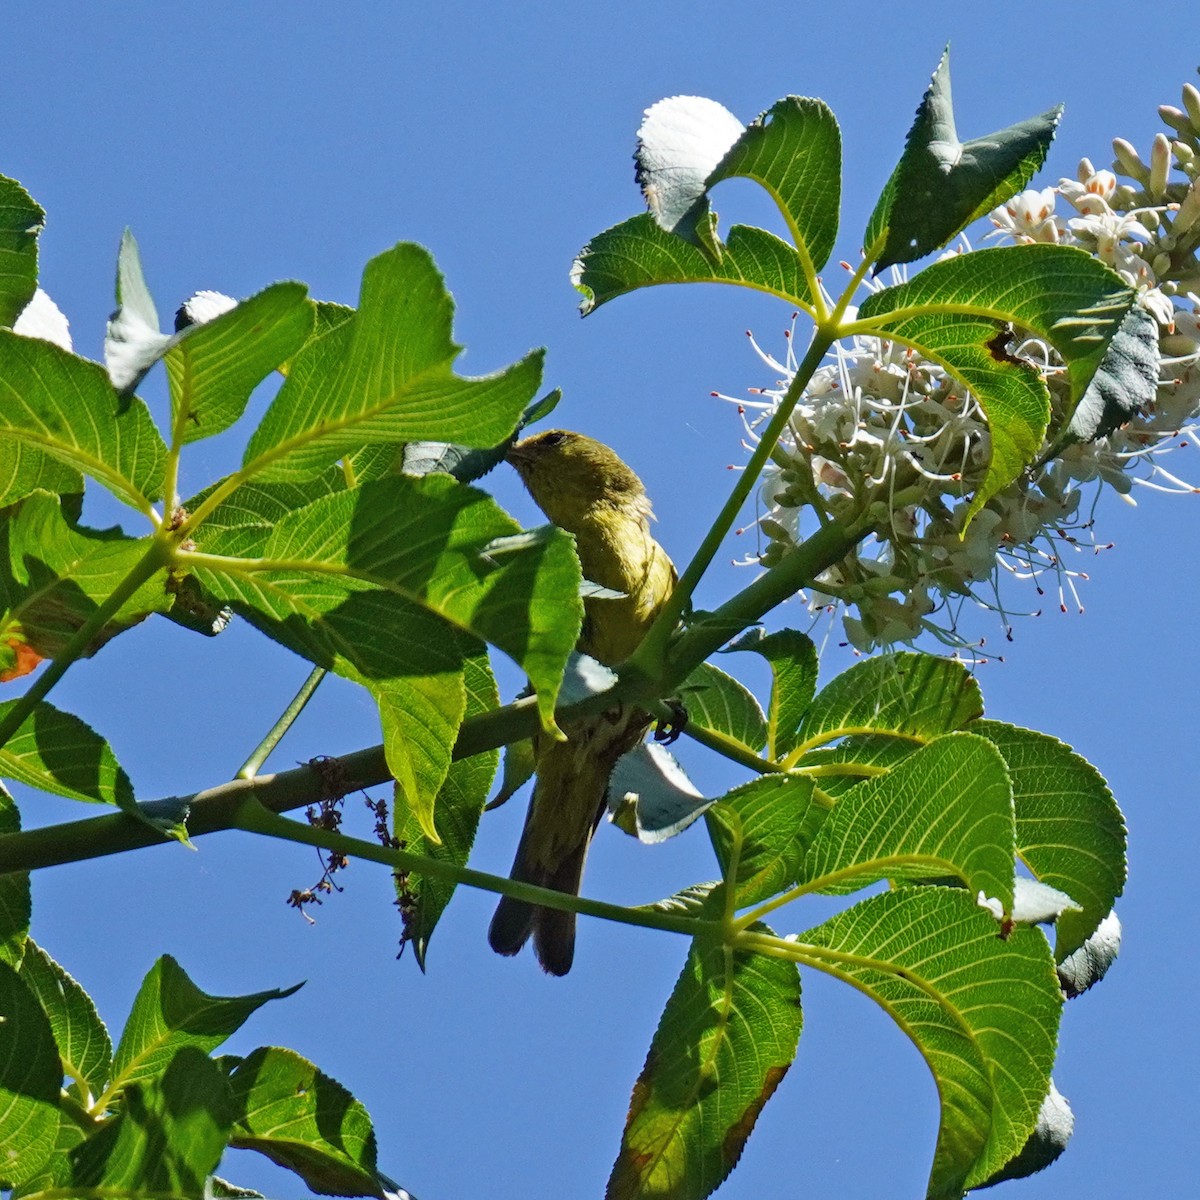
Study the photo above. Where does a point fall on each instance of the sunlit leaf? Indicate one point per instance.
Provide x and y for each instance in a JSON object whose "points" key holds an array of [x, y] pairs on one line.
{"points": [[168, 1136], [793, 660], [1070, 832], [305, 1121], [726, 1039], [64, 406], [30, 1076], [170, 1013], [946, 810], [215, 367], [716, 701], [80, 1035], [21, 219], [765, 827], [386, 375], [982, 1010], [457, 809]]}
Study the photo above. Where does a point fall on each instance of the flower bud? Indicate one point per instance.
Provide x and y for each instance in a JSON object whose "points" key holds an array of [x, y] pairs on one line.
{"points": [[1128, 162], [1191, 101], [1189, 210], [1176, 118], [1160, 165]]}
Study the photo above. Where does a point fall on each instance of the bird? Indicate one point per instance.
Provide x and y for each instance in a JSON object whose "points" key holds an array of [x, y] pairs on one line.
{"points": [[584, 488]]}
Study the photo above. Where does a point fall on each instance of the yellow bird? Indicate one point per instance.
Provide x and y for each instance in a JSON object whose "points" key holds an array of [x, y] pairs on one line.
{"points": [[584, 488]]}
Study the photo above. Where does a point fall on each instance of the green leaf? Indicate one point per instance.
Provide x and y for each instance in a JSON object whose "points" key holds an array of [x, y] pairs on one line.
{"points": [[65, 407], [15, 901], [941, 184], [214, 367], [793, 661], [914, 697], [80, 1035], [946, 810], [951, 311], [456, 814], [169, 1134], [169, 1013], [983, 1012], [21, 220], [363, 583], [54, 575], [765, 826], [638, 253], [794, 150], [25, 469], [56, 752], [386, 375], [726, 1038], [1070, 832], [30, 1077], [718, 702], [305, 1121]]}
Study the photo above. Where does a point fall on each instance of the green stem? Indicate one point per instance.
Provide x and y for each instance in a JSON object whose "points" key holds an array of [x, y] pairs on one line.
{"points": [[254, 818], [287, 718], [650, 654], [157, 556]]}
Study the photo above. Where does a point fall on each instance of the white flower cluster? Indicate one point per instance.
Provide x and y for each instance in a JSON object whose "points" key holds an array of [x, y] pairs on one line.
{"points": [[882, 431]]}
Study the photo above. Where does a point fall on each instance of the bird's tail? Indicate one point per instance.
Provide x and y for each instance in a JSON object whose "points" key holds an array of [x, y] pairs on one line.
{"points": [[552, 929]]}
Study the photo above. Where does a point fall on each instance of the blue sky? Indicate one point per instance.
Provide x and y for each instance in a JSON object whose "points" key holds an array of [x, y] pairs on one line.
{"points": [[253, 142]]}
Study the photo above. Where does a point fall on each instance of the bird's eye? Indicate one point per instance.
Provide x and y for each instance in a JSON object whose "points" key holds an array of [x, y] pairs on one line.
{"points": [[555, 438]]}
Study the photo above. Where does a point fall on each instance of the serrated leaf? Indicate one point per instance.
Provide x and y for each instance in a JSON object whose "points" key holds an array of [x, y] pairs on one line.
{"points": [[30, 1076], [767, 826], [726, 1038], [1070, 832], [1125, 382], [1086, 966], [56, 752], [793, 661], [794, 150], [214, 368], [80, 1035], [650, 796], [983, 1012], [363, 583], [305, 1121], [718, 702], [942, 184], [15, 902], [946, 810], [638, 253], [1055, 1124], [386, 375], [170, 1012], [456, 813], [168, 1136], [21, 220], [952, 310], [63, 406], [54, 575], [680, 142], [25, 469], [915, 697]]}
